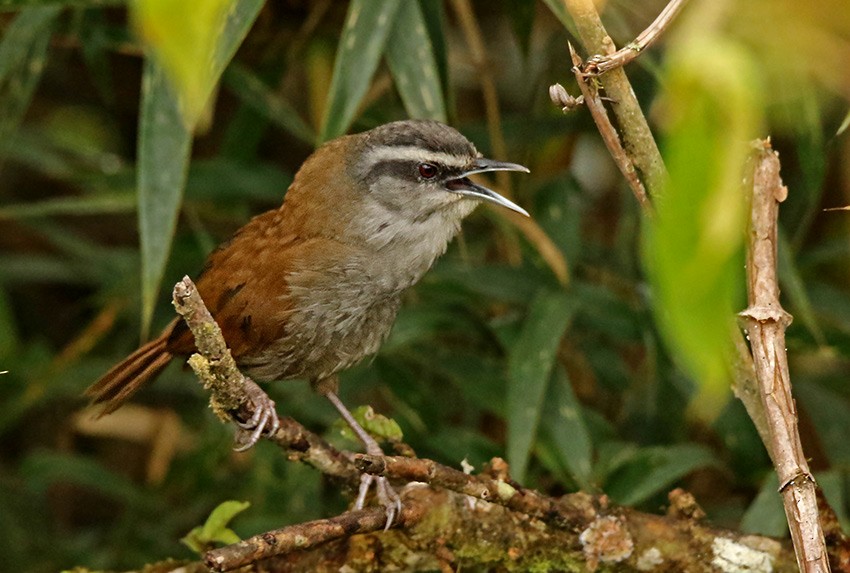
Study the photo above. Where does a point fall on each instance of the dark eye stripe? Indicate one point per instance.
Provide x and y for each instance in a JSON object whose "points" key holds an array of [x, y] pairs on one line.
{"points": [[408, 169]]}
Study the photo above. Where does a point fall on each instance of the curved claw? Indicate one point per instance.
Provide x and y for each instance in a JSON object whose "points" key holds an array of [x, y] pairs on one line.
{"points": [[264, 418], [390, 499], [253, 421], [387, 496]]}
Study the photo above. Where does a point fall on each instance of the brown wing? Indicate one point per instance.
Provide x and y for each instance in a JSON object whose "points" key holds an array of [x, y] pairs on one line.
{"points": [[244, 286]]}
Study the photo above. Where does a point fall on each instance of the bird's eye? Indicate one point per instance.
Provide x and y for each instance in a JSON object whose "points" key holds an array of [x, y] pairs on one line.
{"points": [[427, 170]]}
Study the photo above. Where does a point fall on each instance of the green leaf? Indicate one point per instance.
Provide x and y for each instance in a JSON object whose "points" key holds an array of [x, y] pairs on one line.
{"points": [[530, 363], [649, 471], [564, 423], [91, 205], [224, 180], [254, 93], [377, 425], [500, 282], [560, 11], [193, 41], [411, 60], [420, 323], [434, 17], [765, 515], [164, 139], [844, 124], [215, 530], [830, 415], [183, 37], [832, 483], [694, 246], [367, 26], [240, 17], [22, 54], [163, 162], [44, 469]]}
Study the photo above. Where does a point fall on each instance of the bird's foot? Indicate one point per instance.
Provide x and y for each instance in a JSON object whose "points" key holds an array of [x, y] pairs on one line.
{"points": [[264, 418], [387, 496]]}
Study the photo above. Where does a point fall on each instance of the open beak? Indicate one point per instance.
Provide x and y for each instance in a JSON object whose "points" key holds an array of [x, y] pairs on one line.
{"points": [[464, 186]]}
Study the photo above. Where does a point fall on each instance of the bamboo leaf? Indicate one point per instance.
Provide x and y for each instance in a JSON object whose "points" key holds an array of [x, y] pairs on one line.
{"points": [[253, 92], [163, 162], [164, 137], [410, 56], [22, 54], [367, 26], [560, 11], [530, 363], [193, 41], [765, 515], [653, 469], [793, 284], [44, 469], [830, 415], [564, 422], [93, 205], [433, 14]]}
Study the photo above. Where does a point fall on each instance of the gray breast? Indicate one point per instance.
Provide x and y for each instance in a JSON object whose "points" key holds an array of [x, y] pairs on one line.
{"points": [[340, 318]]}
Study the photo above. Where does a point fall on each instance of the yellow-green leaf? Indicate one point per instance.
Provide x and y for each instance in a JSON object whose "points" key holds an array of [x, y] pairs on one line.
{"points": [[215, 530], [183, 37], [378, 425], [694, 247]]}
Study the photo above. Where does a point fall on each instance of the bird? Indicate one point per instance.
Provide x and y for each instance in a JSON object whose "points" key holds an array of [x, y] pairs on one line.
{"points": [[311, 288]]}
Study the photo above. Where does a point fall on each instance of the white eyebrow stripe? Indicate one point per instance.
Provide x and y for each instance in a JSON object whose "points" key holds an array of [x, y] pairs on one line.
{"points": [[412, 153]]}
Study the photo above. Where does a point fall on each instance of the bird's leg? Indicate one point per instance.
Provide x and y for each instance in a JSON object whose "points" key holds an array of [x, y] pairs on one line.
{"points": [[263, 419], [387, 496]]}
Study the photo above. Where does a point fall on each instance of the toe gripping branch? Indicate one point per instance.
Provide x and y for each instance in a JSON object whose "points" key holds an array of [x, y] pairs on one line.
{"points": [[233, 395], [236, 397]]}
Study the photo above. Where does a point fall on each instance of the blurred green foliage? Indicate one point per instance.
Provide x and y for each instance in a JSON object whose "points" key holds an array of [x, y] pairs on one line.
{"points": [[491, 355]]}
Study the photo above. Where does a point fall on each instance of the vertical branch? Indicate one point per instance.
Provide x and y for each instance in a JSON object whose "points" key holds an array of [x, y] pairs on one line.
{"points": [[640, 151], [766, 321], [590, 96]]}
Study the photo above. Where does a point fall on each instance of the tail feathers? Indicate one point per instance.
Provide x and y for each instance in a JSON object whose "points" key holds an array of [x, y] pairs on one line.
{"points": [[129, 375]]}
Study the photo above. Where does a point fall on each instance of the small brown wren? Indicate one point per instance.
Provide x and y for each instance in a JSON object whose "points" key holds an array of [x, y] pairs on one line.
{"points": [[311, 288]]}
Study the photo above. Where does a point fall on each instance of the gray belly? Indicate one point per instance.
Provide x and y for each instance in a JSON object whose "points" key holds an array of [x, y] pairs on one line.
{"points": [[331, 330]]}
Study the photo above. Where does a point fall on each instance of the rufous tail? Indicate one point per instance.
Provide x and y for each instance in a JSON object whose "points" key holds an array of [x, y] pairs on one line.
{"points": [[128, 376]]}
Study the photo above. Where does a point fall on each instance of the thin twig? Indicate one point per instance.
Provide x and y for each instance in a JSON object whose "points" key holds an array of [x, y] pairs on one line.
{"points": [[637, 137], [609, 132], [308, 535], [597, 65], [766, 321]]}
